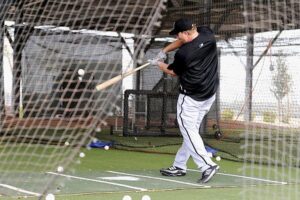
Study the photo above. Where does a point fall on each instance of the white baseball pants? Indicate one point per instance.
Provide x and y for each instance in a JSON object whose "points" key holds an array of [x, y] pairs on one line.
{"points": [[189, 116]]}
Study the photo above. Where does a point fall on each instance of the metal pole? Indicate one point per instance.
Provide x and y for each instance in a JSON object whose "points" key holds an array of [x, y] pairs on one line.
{"points": [[2, 106], [126, 110], [249, 78]]}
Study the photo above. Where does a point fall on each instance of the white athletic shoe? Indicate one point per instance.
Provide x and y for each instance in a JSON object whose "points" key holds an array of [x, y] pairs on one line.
{"points": [[173, 171], [208, 174]]}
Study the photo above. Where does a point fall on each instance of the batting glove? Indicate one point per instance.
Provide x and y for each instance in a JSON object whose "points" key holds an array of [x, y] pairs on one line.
{"points": [[153, 61], [161, 55]]}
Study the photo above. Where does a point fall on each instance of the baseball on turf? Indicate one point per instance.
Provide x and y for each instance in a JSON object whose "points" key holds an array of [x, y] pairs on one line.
{"points": [[81, 72], [218, 158], [81, 155], [126, 197], [146, 197], [50, 197], [60, 169], [106, 147]]}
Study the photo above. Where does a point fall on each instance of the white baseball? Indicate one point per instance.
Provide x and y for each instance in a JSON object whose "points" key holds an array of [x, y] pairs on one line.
{"points": [[98, 129], [81, 72], [218, 158], [146, 197], [81, 155], [95, 140], [60, 169], [106, 147], [127, 197], [50, 197]]}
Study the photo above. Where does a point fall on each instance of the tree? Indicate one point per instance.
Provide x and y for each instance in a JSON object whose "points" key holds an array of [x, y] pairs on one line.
{"points": [[281, 83]]}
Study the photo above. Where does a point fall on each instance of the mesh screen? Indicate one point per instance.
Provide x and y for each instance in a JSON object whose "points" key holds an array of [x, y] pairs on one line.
{"points": [[54, 54], [255, 119], [50, 107]]}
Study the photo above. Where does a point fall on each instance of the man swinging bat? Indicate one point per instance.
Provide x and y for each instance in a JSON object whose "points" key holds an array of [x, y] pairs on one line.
{"points": [[196, 65]]}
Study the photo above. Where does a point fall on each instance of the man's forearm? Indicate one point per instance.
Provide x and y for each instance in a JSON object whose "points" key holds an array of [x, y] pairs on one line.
{"points": [[171, 47], [164, 67]]}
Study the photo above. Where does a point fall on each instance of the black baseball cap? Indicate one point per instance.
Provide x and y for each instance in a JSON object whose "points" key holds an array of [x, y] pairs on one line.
{"points": [[181, 25]]}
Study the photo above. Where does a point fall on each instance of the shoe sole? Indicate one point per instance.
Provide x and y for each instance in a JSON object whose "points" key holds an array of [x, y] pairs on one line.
{"points": [[170, 174], [210, 176]]}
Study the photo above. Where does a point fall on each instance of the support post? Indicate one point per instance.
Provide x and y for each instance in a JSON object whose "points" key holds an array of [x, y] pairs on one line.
{"points": [[249, 78], [126, 117], [17, 68], [2, 101], [4, 5]]}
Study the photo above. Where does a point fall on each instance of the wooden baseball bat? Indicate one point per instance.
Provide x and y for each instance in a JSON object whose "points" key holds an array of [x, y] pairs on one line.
{"points": [[116, 79]]}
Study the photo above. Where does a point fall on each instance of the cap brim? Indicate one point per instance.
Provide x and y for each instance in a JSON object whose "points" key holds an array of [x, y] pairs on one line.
{"points": [[173, 32]]}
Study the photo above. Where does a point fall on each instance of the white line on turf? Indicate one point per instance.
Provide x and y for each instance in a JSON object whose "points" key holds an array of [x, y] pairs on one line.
{"points": [[19, 189], [98, 181], [246, 177], [120, 178], [162, 179]]}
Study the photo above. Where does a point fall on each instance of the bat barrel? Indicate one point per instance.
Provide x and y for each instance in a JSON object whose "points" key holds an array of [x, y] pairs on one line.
{"points": [[119, 77]]}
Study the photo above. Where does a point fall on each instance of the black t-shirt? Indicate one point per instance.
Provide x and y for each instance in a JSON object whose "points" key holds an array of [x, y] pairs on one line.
{"points": [[196, 64]]}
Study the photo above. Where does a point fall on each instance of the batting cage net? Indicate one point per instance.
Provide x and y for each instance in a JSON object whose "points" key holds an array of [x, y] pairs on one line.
{"points": [[255, 118], [54, 54]]}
